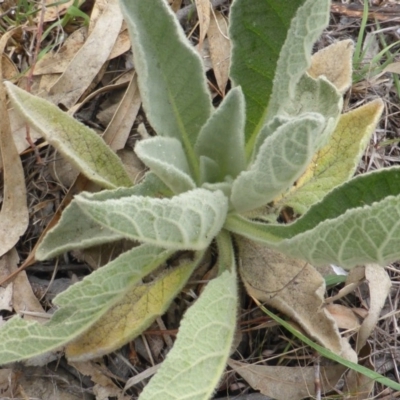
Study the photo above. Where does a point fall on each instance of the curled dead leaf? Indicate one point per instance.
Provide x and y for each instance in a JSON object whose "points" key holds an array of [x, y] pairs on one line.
{"points": [[379, 286], [295, 288]]}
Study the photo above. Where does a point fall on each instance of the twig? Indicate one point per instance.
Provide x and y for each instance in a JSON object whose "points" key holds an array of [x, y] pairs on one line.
{"points": [[354, 10], [185, 11], [317, 379], [30, 77], [252, 396]]}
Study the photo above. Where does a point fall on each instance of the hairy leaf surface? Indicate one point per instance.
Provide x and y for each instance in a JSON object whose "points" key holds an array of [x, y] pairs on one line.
{"points": [[357, 223], [363, 190], [193, 367], [336, 162], [76, 142], [268, 129], [281, 160], [166, 158], [76, 230], [170, 73], [209, 170], [311, 96], [130, 316], [295, 55], [335, 63], [221, 138], [188, 221], [364, 235], [81, 305], [258, 30]]}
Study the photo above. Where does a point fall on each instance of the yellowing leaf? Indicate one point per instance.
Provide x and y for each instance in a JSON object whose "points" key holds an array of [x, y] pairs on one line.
{"points": [[336, 162], [334, 62], [80, 306], [131, 315], [195, 364]]}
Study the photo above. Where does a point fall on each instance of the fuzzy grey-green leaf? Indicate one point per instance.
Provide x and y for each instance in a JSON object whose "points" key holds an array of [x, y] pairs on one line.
{"points": [[187, 221], [222, 137], [280, 161], [356, 223], [295, 55], [76, 230], [76, 142], [193, 367], [370, 234], [170, 73], [80, 306], [133, 313], [166, 158], [258, 30]]}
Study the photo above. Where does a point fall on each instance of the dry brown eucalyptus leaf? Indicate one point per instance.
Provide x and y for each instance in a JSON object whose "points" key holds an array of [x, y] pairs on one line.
{"points": [[334, 62], [203, 11], [283, 383], [18, 128], [175, 5], [9, 68], [122, 44], [24, 300], [118, 129], [379, 287], [132, 164], [6, 295], [293, 287], [8, 382], [358, 386], [90, 58], [56, 62], [104, 386], [220, 49], [14, 217]]}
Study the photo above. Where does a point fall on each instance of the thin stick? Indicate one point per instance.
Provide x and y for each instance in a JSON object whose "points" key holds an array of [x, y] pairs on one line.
{"points": [[185, 11], [30, 77], [317, 379]]}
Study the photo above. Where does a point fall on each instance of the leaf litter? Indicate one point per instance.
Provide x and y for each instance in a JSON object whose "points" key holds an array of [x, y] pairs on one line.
{"points": [[62, 77]]}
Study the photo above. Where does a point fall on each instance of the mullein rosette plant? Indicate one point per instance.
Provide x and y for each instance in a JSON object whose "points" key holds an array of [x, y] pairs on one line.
{"points": [[217, 177]]}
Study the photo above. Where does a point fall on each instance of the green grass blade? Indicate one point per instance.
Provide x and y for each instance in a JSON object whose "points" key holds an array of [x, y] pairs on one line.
{"points": [[332, 356]]}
